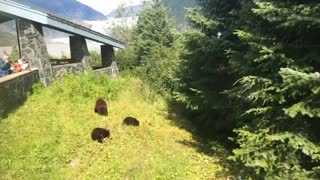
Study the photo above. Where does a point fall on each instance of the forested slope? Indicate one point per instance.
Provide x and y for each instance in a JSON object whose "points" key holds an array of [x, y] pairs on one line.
{"points": [[247, 70]]}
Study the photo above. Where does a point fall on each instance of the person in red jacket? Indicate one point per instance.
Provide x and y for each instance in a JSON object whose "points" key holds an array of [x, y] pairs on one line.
{"points": [[20, 66], [17, 66]]}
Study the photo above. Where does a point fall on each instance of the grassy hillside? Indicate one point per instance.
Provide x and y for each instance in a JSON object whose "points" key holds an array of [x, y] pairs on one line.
{"points": [[49, 136]]}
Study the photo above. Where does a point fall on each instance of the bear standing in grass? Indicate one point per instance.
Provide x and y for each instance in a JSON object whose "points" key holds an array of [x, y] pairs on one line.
{"points": [[130, 121], [98, 134], [101, 107]]}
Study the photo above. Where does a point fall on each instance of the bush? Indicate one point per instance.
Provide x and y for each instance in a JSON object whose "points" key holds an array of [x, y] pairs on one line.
{"points": [[126, 59], [77, 87], [159, 68], [14, 55], [95, 59]]}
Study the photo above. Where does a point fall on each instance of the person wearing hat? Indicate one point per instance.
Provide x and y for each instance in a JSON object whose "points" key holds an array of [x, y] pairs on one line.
{"points": [[5, 66]]}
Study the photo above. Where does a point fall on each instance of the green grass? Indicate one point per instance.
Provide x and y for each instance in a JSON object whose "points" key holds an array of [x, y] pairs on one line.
{"points": [[49, 136]]}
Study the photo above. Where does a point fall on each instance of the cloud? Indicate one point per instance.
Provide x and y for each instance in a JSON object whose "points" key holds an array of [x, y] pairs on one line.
{"points": [[106, 6]]}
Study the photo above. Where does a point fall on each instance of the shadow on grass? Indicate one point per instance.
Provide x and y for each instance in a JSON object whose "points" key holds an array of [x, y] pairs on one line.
{"points": [[11, 101], [14, 90], [216, 145], [11, 108]]}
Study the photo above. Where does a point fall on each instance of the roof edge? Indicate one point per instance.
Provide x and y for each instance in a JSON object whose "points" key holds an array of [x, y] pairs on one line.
{"points": [[25, 12]]}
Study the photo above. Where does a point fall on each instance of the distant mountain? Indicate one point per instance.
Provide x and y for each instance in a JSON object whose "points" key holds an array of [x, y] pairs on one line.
{"points": [[74, 10], [177, 9], [128, 11], [69, 9]]}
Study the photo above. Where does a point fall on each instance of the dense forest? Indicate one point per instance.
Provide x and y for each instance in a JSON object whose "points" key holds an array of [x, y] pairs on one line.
{"points": [[246, 73]]}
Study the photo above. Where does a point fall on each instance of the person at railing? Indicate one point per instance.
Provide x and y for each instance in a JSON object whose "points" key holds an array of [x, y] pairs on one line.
{"points": [[5, 66], [16, 67], [20, 66], [25, 64]]}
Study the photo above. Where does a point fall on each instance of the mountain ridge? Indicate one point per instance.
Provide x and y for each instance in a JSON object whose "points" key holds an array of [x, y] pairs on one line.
{"points": [[69, 9], [129, 11], [74, 10], [176, 10]]}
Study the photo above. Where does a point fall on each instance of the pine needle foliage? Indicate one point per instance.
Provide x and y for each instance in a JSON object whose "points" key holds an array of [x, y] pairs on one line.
{"points": [[153, 29], [153, 52], [280, 82], [205, 68]]}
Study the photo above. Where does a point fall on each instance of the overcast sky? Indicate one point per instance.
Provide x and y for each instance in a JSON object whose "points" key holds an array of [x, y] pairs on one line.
{"points": [[106, 6]]}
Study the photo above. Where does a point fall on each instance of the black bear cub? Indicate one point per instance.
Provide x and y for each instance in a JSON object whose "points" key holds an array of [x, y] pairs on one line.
{"points": [[98, 134], [130, 121], [101, 107]]}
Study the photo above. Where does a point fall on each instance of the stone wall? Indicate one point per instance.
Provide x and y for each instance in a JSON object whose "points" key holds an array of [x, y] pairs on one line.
{"points": [[75, 68], [60, 70], [14, 89], [34, 48], [111, 71]]}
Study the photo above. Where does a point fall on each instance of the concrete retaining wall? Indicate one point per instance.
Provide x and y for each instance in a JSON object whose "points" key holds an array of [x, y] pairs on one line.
{"points": [[14, 89], [111, 71]]}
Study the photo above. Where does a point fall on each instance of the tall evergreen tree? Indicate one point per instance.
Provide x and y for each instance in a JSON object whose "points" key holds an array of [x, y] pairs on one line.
{"points": [[280, 83], [205, 69], [151, 53], [153, 29]]}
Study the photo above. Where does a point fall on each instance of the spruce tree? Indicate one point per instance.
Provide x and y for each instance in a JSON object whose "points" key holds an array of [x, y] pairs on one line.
{"points": [[205, 69], [280, 84], [153, 29], [151, 53]]}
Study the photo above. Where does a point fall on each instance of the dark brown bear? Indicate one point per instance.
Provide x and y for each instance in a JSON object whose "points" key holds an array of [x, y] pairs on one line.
{"points": [[98, 134], [101, 107], [130, 121]]}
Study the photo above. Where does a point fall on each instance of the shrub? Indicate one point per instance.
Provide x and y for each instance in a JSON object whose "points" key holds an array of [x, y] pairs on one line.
{"points": [[77, 87], [159, 68], [95, 59]]}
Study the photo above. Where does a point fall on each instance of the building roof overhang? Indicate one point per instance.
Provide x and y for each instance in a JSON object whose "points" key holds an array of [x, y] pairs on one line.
{"points": [[21, 11]]}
